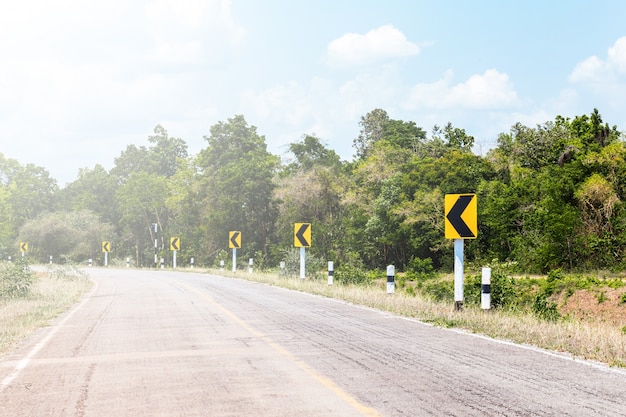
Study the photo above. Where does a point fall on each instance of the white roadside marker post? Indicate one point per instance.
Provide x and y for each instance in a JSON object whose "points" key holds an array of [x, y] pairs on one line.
{"points": [[391, 285], [330, 272], [485, 289]]}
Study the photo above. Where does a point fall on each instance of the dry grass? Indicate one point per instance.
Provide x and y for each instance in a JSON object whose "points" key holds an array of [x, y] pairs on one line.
{"points": [[54, 292], [593, 340]]}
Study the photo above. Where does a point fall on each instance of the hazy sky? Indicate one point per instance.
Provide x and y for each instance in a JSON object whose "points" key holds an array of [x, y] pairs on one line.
{"points": [[81, 79]]}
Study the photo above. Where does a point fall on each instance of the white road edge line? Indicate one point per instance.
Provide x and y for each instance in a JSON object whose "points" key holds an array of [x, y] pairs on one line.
{"points": [[560, 355], [23, 363]]}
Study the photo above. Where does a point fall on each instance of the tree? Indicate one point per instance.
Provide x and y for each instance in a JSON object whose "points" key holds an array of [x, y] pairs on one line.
{"points": [[310, 190], [67, 236], [185, 206], [142, 202], [237, 186], [166, 152], [312, 152], [25, 192], [161, 158], [453, 137], [93, 190], [372, 130], [405, 135]]}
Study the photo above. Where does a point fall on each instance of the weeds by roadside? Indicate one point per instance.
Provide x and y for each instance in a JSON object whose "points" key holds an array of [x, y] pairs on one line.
{"points": [[49, 294], [16, 279]]}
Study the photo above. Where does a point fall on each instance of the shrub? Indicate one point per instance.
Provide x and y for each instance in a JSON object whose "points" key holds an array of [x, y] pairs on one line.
{"points": [[313, 265], [221, 256], [545, 309], [15, 279], [441, 290], [419, 268], [66, 272], [503, 290], [347, 274]]}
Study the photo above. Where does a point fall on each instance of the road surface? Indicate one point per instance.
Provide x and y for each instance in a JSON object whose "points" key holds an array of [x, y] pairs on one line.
{"points": [[167, 343]]}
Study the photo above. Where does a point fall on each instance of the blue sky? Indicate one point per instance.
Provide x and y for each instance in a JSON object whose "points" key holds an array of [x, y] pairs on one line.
{"points": [[80, 80]]}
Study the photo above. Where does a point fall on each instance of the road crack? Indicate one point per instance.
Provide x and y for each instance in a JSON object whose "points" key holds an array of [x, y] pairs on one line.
{"points": [[84, 392]]}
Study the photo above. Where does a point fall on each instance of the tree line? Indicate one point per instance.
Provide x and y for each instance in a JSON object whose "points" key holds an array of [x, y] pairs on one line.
{"points": [[549, 196]]}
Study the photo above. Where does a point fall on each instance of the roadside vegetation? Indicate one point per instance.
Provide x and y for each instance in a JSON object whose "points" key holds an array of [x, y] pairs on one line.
{"points": [[29, 299]]}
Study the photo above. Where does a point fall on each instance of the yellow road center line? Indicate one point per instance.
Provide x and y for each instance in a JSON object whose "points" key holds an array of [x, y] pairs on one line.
{"points": [[328, 383]]}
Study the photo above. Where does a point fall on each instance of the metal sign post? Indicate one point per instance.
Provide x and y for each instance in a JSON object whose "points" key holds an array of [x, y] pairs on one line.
{"points": [[106, 248], [461, 222], [302, 262], [458, 274], [174, 247], [234, 242], [302, 240]]}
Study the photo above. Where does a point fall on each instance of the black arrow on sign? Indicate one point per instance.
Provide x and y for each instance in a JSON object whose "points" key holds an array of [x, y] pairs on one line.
{"points": [[300, 234], [175, 243], [23, 247], [233, 239], [107, 246], [455, 213]]}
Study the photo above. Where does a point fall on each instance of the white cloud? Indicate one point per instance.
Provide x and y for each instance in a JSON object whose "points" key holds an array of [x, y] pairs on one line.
{"points": [[491, 89], [77, 72], [592, 69], [617, 55], [187, 32], [597, 70], [377, 45]]}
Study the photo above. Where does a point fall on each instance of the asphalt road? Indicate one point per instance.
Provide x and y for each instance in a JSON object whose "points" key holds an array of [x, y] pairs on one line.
{"points": [[162, 343]]}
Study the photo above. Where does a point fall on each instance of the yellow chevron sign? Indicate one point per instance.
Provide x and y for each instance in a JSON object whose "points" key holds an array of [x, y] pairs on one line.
{"points": [[234, 239], [302, 235], [461, 218]]}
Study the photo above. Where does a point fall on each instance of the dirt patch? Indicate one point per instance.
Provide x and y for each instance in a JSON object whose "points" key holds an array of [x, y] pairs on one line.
{"points": [[600, 304]]}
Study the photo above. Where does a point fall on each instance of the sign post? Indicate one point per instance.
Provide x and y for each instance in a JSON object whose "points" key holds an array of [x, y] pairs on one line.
{"points": [[302, 240], [106, 248], [234, 242], [461, 222], [23, 248], [174, 246]]}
